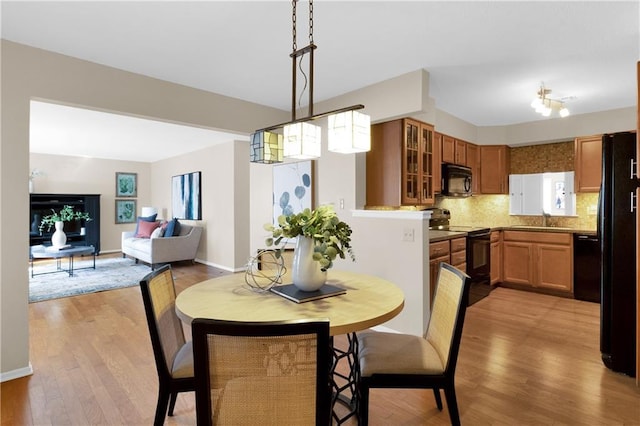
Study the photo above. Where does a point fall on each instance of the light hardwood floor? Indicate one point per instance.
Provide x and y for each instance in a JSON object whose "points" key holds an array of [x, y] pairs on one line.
{"points": [[525, 359]]}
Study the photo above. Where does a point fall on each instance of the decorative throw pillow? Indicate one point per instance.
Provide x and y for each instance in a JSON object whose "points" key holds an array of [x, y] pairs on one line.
{"points": [[151, 218], [163, 227], [145, 229], [176, 228], [156, 233], [173, 228]]}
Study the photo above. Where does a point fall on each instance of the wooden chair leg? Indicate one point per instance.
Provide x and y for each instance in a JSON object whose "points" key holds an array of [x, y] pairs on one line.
{"points": [[436, 394], [172, 402], [161, 409], [452, 404]]}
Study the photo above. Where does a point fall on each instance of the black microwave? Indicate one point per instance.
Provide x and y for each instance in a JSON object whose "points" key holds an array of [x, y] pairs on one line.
{"points": [[456, 180]]}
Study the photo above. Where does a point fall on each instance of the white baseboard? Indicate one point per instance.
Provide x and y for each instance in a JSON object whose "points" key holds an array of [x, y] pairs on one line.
{"points": [[16, 374], [215, 265]]}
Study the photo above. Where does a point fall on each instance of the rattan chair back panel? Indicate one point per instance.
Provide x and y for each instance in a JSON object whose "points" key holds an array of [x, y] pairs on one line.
{"points": [[442, 322], [163, 297], [273, 379]]}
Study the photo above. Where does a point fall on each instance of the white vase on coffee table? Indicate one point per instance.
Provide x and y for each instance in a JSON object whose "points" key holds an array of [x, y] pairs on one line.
{"points": [[59, 238]]}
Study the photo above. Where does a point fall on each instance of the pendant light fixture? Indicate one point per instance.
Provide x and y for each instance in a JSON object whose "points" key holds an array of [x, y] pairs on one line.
{"points": [[349, 131]]}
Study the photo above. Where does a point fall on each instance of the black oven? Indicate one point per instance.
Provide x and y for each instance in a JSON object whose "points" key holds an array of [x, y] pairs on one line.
{"points": [[479, 263], [478, 252]]}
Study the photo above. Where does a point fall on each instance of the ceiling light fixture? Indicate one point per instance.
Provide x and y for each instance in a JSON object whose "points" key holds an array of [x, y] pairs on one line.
{"points": [[349, 131], [545, 105]]}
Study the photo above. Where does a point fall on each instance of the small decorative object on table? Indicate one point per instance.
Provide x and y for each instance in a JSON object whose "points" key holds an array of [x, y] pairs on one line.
{"points": [[265, 270], [322, 237], [57, 219]]}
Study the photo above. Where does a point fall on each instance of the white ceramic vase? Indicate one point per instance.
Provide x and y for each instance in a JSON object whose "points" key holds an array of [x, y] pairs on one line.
{"points": [[306, 272], [59, 238]]}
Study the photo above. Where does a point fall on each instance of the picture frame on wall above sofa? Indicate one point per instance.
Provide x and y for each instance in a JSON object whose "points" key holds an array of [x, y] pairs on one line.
{"points": [[126, 211], [186, 196], [126, 184]]}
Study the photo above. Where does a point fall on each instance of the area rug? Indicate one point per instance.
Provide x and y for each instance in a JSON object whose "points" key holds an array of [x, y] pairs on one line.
{"points": [[110, 273]]}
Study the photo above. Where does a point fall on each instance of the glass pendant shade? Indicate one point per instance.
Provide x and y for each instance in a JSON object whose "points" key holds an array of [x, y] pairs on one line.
{"points": [[536, 103], [266, 147], [349, 132], [302, 140]]}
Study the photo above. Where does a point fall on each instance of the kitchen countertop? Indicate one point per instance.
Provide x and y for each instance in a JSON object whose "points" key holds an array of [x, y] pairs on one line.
{"points": [[439, 235]]}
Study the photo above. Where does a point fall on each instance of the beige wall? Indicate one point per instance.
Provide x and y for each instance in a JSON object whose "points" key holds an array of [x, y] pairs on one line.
{"points": [[28, 74], [80, 175], [225, 211]]}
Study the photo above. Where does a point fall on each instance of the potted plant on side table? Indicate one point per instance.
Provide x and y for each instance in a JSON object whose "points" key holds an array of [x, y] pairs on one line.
{"points": [[57, 219], [321, 238]]}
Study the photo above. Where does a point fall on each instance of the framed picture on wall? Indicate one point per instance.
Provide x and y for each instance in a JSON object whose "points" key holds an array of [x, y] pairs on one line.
{"points": [[292, 188], [125, 211], [186, 198], [126, 184]]}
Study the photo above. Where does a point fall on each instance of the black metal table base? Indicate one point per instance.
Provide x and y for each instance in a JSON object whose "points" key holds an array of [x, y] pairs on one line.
{"points": [[59, 268], [344, 385]]}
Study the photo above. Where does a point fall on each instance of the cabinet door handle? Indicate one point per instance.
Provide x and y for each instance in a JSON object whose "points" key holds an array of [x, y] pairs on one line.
{"points": [[633, 202], [634, 168]]}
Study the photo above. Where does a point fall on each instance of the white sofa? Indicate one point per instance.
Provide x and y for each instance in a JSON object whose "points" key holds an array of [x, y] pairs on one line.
{"points": [[155, 251]]}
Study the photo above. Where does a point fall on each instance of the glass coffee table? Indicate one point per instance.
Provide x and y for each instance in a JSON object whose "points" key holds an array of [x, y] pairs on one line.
{"points": [[46, 252]]}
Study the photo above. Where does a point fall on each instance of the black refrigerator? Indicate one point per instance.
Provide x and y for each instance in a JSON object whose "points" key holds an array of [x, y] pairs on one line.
{"points": [[616, 229]]}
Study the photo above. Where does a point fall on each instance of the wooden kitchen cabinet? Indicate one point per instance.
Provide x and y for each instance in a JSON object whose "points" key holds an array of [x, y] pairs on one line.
{"points": [[496, 257], [588, 158], [400, 164], [517, 262], [494, 169], [448, 149], [458, 253], [538, 259], [438, 252], [460, 148], [453, 252], [473, 162], [454, 151]]}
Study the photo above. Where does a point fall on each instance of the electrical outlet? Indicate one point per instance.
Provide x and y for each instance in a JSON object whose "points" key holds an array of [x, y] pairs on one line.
{"points": [[407, 234], [341, 203]]}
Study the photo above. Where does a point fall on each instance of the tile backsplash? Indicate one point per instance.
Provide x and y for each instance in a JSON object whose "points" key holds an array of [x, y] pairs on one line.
{"points": [[493, 211], [550, 157]]}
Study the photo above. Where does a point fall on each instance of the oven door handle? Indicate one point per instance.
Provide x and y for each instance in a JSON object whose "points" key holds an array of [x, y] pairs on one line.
{"points": [[484, 234]]}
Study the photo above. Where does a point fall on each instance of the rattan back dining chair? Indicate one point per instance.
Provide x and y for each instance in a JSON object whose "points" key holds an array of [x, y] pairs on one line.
{"points": [[173, 354], [268, 373], [391, 360]]}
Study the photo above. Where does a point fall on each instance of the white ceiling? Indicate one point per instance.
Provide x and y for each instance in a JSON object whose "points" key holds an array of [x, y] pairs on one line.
{"points": [[485, 59], [63, 130]]}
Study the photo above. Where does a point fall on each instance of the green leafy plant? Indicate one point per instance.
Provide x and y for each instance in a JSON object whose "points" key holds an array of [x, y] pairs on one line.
{"points": [[65, 214], [331, 236]]}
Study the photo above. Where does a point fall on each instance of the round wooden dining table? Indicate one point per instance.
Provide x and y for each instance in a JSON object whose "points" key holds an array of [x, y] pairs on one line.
{"points": [[368, 301]]}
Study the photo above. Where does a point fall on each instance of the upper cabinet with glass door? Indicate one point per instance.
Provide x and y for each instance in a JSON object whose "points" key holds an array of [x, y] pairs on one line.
{"points": [[400, 165]]}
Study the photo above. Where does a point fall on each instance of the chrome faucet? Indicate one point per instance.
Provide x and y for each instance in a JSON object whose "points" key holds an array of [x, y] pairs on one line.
{"points": [[545, 217]]}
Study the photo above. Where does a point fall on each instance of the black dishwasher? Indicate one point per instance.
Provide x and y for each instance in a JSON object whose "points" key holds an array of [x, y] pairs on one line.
{"points": [[586, 267]]}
